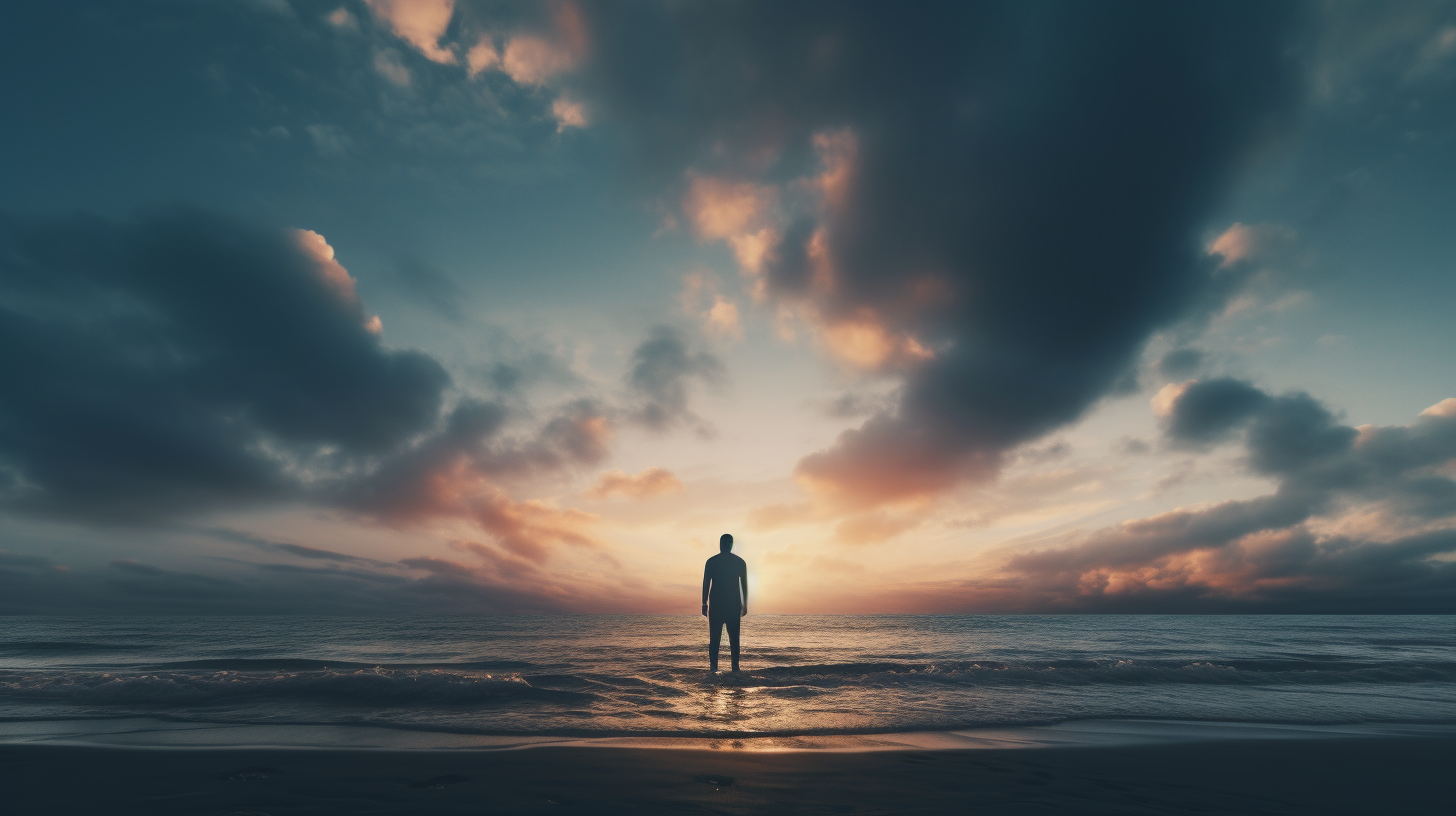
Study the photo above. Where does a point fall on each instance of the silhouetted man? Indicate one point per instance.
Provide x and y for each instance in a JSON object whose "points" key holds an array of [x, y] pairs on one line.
{"points": [[725, 598]]}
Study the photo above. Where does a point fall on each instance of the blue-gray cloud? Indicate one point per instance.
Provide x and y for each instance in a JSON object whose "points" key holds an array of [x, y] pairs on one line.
{"points": [[664, 367], [187, 361]]}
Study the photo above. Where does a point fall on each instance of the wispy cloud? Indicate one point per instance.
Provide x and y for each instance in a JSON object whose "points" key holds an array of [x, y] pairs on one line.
{"points": [[650, 482]]}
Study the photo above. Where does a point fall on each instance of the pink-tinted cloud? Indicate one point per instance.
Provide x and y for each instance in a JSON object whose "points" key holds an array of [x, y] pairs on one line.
{"points": [[531, 60], [875, 464], [421, 23], [737, 213], [717, 314], [342, 18], [650, 482], [1244, 242], [538, 58], [752, 219], [482, 56], [568, 114], [334, 275]]}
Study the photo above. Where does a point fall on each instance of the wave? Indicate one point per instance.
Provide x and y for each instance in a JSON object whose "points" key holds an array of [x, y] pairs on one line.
{"points": [[34, 648], [253, 664], [1086, 672], [371, 687], [204, 682]]}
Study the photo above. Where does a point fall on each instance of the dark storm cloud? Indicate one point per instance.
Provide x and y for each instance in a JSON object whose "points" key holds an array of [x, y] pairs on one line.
{"points": [[1017, 187], [1285, 551], [1209, 409], [186, 361], [664, 367]]}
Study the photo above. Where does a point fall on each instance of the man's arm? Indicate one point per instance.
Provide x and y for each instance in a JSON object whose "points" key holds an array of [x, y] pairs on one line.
{"points": [[707, 580], [743, 583]]}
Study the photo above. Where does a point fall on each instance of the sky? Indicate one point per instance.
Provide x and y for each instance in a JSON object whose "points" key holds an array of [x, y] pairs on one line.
{"points": [[433, 306]]}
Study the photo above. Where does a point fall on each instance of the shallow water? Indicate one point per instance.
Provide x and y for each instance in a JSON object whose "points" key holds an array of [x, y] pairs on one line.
{"points": [[645, 676]]}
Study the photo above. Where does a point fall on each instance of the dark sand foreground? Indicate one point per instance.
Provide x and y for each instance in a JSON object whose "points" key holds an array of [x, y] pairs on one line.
{"points": [[1390, 775]]}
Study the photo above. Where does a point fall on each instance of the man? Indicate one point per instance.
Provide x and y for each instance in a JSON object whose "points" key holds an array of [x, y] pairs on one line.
{"points": [[725, 599]]}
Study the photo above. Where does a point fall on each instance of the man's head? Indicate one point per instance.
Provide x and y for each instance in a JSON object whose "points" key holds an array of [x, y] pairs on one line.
{"points": [[725, 542]]}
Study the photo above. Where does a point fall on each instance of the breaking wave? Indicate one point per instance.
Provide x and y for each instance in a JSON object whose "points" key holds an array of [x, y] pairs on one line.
{"points": [[372, 687]]}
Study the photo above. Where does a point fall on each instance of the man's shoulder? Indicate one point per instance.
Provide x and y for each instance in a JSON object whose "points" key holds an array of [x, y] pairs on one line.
{"points": [[726, 558]]}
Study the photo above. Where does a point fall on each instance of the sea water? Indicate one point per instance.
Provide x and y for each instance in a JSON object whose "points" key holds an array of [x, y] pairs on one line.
{"points": [[626, 676]]}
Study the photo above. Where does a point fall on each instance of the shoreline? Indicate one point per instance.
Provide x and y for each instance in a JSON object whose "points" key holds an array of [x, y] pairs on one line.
{"points": [[141, 733], [1395, 774]]}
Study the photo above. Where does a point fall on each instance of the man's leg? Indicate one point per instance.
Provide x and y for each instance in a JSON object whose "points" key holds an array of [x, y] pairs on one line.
{"points": [[715, 636], [732, 639]]}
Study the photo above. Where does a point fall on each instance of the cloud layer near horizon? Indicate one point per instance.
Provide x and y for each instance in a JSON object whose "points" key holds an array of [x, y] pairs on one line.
{"points": [[1361, 520]]}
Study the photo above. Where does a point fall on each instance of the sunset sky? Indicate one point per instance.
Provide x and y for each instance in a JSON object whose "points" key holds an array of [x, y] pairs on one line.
{"points": [[404, 306]]}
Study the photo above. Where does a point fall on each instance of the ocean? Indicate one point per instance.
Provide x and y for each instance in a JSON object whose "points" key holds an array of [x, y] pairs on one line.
{"points": [[645, 676]]}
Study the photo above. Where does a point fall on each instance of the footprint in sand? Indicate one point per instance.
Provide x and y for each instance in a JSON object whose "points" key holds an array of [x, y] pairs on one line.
{"points": [[440, 781], [715, 780]]}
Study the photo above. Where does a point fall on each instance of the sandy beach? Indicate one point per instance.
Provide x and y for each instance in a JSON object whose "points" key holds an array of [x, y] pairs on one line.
{"points": [[1390, 775]]}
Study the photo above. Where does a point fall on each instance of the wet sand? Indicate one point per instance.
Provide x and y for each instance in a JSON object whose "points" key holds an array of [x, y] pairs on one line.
{"points": [[1330, 776]]}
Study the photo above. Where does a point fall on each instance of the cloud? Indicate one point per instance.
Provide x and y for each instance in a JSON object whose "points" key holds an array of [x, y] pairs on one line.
{"points": [[735, 212], [330, 141], [717, 314], [568, 113], [389, 66], [1180, 363], [421, 23], [534, 59], [296, 550], [994, 204], [342, 18], [458, 473], [1246, 242], [663, 367], [500, 580], [1362, 520], [530, 60], [1205, 411], [187, 361], [650, 482], [482, 56]]}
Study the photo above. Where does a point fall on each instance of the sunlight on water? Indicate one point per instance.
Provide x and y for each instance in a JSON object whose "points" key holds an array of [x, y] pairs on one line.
{"points": [[801, 675]]}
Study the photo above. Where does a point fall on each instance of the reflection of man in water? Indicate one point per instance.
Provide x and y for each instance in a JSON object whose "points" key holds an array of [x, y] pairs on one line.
{"points": [[724, 576]]}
